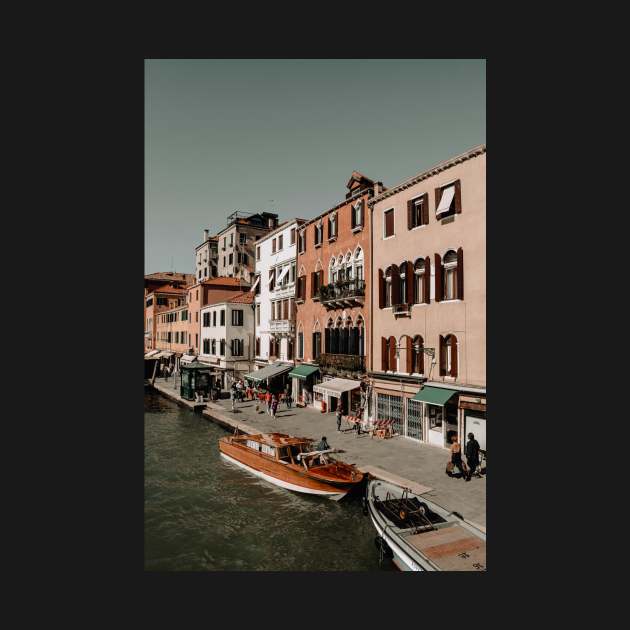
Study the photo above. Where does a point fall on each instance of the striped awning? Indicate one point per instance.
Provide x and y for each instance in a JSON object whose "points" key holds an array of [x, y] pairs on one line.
{"points": [[188, 358], [151, 354], [336, 386]]}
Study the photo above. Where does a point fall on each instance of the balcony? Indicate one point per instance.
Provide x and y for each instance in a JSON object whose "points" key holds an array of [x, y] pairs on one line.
{"points": [[282, 326], [342, 294], [341, 362]]}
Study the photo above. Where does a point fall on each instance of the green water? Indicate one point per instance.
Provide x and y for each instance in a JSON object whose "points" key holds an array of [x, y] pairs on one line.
{"points": [[203, 514]]}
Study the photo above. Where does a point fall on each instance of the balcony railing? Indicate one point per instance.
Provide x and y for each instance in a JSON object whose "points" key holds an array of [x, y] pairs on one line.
{"points": [[281, 326], [349, 362], [342, 292]]}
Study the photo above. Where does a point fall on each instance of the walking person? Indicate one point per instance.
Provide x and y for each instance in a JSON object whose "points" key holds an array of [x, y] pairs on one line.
{"points": [[288, 400], [233, 397], [268, 399], [456, 456], [472, 455], [339, 416], [274, 406]]}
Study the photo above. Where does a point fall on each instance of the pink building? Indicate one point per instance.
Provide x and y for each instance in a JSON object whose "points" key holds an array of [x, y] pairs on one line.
{"points": [[428, 334]]}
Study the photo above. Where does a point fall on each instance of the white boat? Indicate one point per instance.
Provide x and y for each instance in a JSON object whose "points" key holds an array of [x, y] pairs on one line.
{"points": [[419, 535]]}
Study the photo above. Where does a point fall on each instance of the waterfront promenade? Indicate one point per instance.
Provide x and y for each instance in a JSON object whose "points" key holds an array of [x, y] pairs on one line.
{"points": [[419, 466]]}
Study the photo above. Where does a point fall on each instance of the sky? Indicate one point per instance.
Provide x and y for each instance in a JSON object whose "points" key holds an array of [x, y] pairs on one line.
{"points": [[282, 135]]}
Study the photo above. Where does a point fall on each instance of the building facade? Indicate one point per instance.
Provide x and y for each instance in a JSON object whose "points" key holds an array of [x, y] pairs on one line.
{"points": [[428, 341], [274, 286], [172, 333], [227, 336], [236, 243], [207, 258], [332, 312], [159, 300]]}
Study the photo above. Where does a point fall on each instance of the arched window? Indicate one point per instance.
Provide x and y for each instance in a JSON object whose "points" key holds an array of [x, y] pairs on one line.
{"points": [[328, 336], [448, 356], [317, 341], [388, 287], [358, 264], [418, 281], [450, 275], [417, 363], [402, 270], [332, 272]]}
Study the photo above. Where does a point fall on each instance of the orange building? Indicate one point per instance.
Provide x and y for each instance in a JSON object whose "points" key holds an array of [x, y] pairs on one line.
{"points": [[158, 301], [332, 299]]}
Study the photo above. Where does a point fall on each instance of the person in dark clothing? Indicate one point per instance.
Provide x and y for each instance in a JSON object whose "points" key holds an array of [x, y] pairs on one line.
{"points": [[339, 416], [323, 444], [472, 455], [456, 455]]}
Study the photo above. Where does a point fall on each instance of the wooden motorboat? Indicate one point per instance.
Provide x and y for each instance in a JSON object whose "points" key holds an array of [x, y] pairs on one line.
{"points": [[291, 463], [420, 535]]}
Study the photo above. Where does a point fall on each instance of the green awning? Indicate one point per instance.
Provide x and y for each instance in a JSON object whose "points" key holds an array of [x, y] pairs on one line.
{"points": [[434, 395], [269, 371], [304, 371]]}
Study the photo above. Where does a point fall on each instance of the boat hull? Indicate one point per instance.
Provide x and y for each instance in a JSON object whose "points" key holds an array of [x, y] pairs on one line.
{"points": [[280, 475]]}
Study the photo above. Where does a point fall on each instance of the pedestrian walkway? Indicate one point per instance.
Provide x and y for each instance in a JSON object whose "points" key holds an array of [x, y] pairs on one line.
{"points": [[397, 457]]}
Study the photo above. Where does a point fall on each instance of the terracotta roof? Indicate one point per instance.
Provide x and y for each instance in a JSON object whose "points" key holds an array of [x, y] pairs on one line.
{"points": [[247, 297], [222, 282], [167, 288], [170, 275]]}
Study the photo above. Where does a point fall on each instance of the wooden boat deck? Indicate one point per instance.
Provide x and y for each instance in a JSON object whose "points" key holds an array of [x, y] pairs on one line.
{"points": [[451, 548]]}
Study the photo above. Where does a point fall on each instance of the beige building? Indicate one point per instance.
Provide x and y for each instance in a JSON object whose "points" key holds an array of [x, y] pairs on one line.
{"points": [[428, 334], [207, 258], [237, 243]]}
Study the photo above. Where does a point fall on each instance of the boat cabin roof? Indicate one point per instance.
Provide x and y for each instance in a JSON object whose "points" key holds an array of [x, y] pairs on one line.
{"points": [[275, 439]]}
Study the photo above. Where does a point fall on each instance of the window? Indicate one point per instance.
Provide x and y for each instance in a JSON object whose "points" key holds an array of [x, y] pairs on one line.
{"points": [[162, 301], [222, 317], [319, 233], [301, 288], [292, 237], [206, 320], [448, 200], [224, 242], [222, 348], [213, 346], [237, 317], [257, 346], [302, 241], [273, 245], [149, 302], [232, 240], [231, 258], [206, 346], [357, 214], [257, 314], [417, 355], [421, 282], [418, 211], [280, 242], [243, 239], [200, 273], [402, 270], [388, 226], [300, 345], [258, 252], [332, 226], [388, 287], [236, 347], [293, 272], [317, 341], [272, 279], [196, 339], [448, 356], [224, 261], [450, 275]]}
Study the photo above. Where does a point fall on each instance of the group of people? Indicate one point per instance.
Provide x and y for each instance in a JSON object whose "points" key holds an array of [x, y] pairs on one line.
{"points": [[241, 392], [472, 457]]}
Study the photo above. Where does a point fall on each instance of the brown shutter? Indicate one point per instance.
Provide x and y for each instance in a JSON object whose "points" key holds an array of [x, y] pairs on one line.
{"points": [[389, 223], [438, 196], [329, 228], [384, 354], [392, 354], [460, 274], [425, 209], [410, 214], [458, 197], [426, 289], [304, 241], [442, 357], [321, 278], [438, 278], [312, 284], [410, 281], [303, 290], [353, 223], [381, 289], [409, 355], [395, 285], [421, 357], [454, 356]]}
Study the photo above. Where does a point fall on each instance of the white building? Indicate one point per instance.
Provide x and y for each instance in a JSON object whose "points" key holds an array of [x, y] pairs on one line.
{"points": [[275, 294], [206, 258], [227, 336]]}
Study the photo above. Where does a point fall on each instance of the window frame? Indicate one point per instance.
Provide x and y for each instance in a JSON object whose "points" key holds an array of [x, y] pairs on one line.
{"points": [[385, 214]]}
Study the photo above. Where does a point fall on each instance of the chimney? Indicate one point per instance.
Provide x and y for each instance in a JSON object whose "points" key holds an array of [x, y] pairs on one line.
{"points": [[206, 235]]}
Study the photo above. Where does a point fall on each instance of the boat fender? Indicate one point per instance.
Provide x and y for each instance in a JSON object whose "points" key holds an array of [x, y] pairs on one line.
{"points": [[402, 514]]}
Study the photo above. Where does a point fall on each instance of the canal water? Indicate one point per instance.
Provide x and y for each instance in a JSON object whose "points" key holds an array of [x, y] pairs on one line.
{"points": [[203, 514]]}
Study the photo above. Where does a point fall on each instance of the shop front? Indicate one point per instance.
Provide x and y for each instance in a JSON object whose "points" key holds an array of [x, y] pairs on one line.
{"points": [[328, 395], [440, 413], [273, 377], [304, 377]]}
